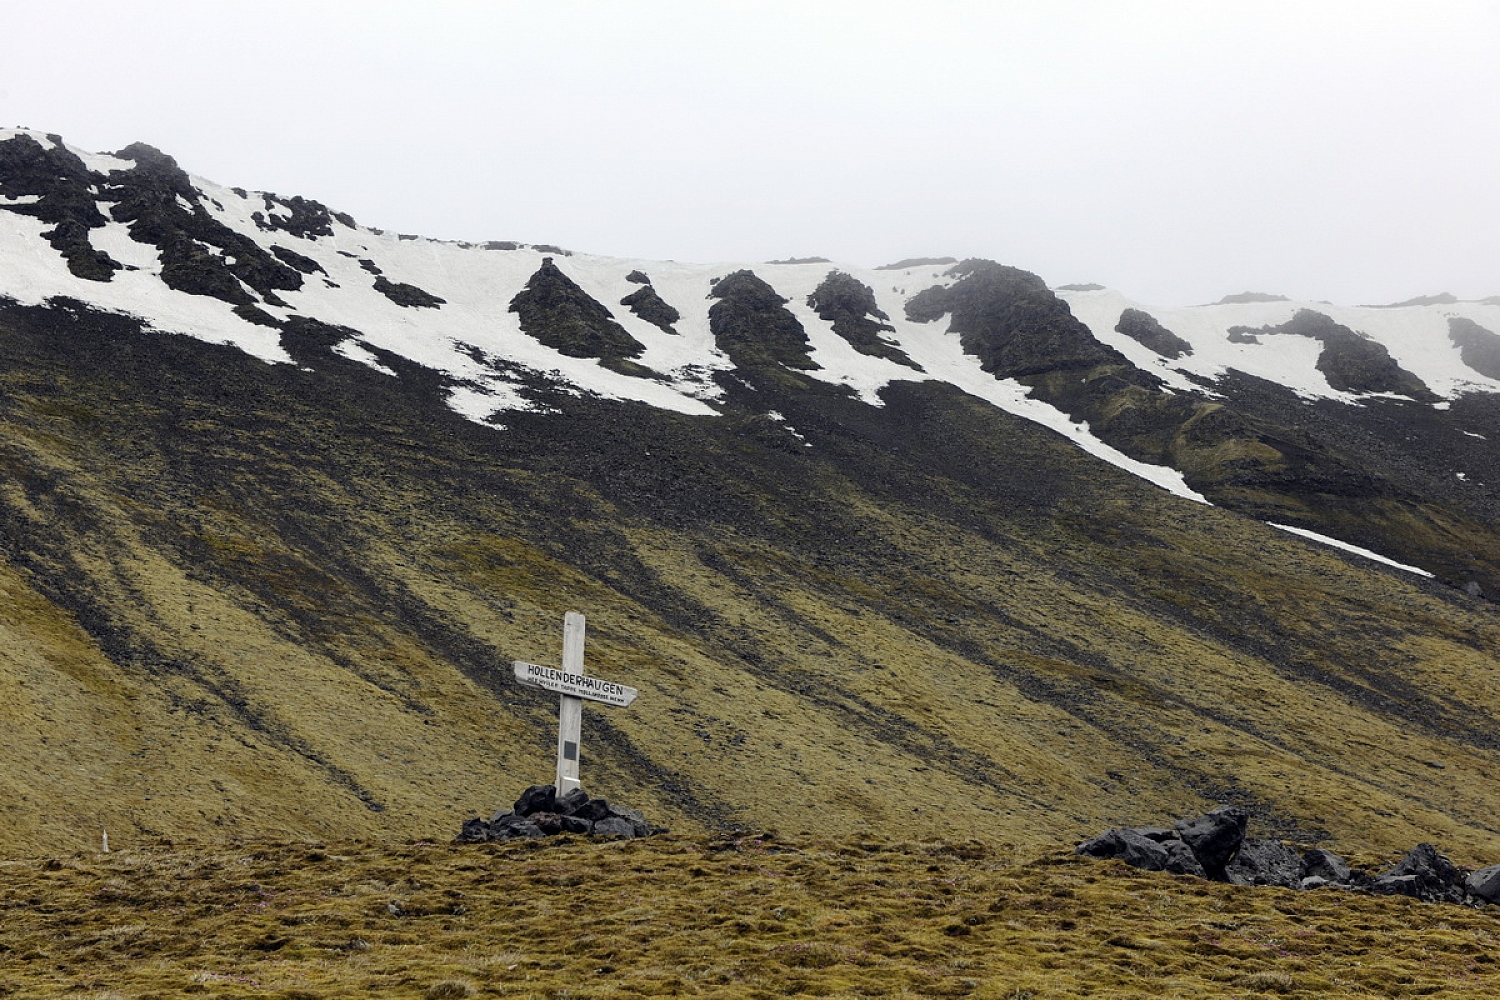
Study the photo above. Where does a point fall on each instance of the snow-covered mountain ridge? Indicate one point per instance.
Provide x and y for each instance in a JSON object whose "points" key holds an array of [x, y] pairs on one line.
{"points": [[508, 326], [477, 282]]}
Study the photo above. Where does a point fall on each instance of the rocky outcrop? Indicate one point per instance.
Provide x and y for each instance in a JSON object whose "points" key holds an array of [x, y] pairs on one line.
{"points": [[1144, 328], [53, 185], [1243, 297], [199, 255], [1350, 361], [557, 312], [297, 216], [751, 324], [407, 295], [1214, 846], [1479, 348], [651, 307], [849, 305], [541, 812], [1010, 320], [902, 265]]}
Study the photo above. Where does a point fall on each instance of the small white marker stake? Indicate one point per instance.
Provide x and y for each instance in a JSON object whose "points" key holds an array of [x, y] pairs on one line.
{"points": [[104, 837], [573, 686]]}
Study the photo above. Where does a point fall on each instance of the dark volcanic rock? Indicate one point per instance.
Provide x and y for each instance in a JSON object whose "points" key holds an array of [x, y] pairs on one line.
{"points": [[1217, 840], [403, 294], [1129, 846], [541, 812], [614, 826], [1440, 299], [297, 216], [1265, 862], [1325, 865], [593, 810], [1214, 837], [292, 258], [1352, 362], [537, 798], [475, 831], [555, 311], [639, 277], [1479, 348], [1143, 328], [60, 184], [164, 210], [849, 305], [1423, 874], [651, 307], [1010, 320], [1181, 860], [549, 823], [1241, 297], [902, 265], [1485, 884], [571, 803], [752, 325]]}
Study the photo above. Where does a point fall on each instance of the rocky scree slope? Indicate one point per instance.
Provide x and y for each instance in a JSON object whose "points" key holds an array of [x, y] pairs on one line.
{"points": [[283, 496]]}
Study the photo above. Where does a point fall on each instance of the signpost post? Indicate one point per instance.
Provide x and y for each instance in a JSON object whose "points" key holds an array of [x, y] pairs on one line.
{"points": [[572, 686]]}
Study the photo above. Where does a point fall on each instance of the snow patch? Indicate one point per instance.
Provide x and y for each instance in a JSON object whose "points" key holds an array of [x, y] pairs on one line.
{"points": [[1345, 546], [1416, 338], [355, 351]]}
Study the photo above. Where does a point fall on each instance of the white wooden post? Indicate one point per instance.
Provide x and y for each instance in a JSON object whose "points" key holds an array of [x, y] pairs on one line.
{"points": [[573, 687], [569, 707]]}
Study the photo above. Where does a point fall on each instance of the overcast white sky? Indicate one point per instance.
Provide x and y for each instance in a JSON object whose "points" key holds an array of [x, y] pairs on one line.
{"points": [[1177, 150]]}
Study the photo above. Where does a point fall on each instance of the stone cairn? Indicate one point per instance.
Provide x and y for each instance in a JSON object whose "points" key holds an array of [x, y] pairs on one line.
{"points": [[541, 812], [1214, 846]]}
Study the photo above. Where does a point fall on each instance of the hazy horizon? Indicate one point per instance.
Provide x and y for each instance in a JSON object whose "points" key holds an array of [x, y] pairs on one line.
{"points": [[1176, 151]]}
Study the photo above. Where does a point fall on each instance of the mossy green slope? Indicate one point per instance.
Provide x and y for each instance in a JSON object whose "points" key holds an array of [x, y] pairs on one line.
{"points": [[247, 599]]}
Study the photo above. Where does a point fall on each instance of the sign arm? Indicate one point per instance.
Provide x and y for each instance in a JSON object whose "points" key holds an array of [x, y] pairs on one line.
{"points": [[573, 687]]}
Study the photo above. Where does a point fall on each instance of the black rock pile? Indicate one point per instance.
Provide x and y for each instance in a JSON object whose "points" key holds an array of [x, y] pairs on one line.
{"points": [[541, 812], [1214, 846]]}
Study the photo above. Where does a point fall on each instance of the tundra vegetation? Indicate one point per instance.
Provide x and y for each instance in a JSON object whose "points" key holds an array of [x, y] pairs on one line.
{"points": [[744, 915]]}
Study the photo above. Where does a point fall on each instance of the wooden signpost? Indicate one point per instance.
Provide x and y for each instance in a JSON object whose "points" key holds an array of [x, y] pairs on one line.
{"points": [[573, 686]]}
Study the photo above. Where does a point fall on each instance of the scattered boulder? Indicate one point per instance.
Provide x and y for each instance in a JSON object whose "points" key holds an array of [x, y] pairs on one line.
{"points": [[1129, 846], [1214, 837], [541, 812], [1327, 866], [1423, 874], [1485, 884], [1265, 862], [1214, 846], [536, 799], [1181, 860]]}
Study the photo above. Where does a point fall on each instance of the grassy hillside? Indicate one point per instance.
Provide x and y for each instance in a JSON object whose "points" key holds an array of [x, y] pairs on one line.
{"points": [[750, 916], [251, 600]]}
